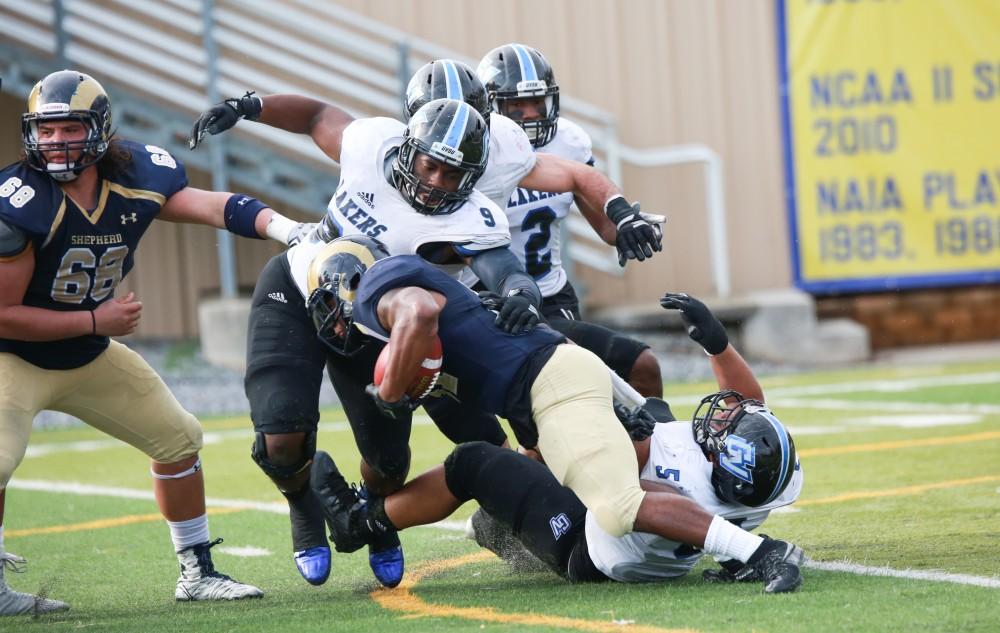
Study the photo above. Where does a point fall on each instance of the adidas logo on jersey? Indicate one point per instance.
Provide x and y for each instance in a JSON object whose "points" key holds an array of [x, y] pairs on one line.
{"points": [[367, 198], [277, 296]]}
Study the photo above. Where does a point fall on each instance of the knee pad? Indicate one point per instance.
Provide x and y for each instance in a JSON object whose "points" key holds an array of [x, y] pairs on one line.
{"points": [[462, 465], [279, 472], [391, 467]]}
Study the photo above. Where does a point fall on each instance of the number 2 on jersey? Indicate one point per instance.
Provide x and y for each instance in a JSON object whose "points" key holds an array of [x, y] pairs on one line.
{"points": [[535, 263]]}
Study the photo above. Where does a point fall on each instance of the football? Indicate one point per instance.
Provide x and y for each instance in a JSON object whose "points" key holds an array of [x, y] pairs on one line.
{"points": [[425, 379]]}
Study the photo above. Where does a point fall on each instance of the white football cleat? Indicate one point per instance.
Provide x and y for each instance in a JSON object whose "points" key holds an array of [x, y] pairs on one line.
{"points": [[17, 603], [200, 581]]}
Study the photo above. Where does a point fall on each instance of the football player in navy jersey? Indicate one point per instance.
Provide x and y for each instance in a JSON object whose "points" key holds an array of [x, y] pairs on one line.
{"points": [[72, 213], [735, 459], [556, 396]]}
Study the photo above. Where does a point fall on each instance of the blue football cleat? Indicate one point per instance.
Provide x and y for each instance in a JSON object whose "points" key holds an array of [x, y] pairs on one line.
{"points": [[385, 553], [387, 565], [314, 564]]}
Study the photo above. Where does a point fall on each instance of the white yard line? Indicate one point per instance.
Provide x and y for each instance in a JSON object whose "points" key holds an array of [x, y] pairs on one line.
{"points": [[90, 490], [210, 437], [68, 487], [910, 574]]}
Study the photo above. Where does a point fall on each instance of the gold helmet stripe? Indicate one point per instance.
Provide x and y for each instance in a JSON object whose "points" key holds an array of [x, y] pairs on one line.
{"points": [[33, 97], [334, 248], [87, 91]]}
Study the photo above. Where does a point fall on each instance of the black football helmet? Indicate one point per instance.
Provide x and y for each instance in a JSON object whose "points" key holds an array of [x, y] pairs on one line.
{"points": [[516, 71], [445, 79], [753, 456], [332, 280], [60, 96], [448, 131]]}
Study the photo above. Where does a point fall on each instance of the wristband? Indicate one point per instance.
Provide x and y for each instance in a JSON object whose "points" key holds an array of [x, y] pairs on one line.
{"points": [[241, 214], [93, 324], [618, 209], [249, 106]]}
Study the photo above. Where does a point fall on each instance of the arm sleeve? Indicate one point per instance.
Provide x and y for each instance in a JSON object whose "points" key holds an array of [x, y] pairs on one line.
{"points": [[500, 272]]}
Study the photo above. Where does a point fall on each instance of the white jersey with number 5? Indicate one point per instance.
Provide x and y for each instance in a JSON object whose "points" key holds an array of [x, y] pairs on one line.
{"points": [[675, 459], [535, 216], [366, 203]]}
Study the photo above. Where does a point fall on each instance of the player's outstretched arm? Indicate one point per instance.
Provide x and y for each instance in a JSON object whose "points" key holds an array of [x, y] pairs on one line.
{"points": [[322, 121], [635, 234], [730, 369], [238, 213]]}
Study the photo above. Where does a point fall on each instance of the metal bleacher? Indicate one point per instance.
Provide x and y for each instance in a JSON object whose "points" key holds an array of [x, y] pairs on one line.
{"points": [[165, 61]]}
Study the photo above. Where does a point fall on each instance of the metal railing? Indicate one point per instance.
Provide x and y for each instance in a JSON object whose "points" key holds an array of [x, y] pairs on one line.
{"points": [[164, 62]]}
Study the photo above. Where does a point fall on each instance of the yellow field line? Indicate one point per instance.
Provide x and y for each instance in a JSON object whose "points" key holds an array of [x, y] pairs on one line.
{"points": [[402, 599], [897, 492], [102, 523], [888, 446]]}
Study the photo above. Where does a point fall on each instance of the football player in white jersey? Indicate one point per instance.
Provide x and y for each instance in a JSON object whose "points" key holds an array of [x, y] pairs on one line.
{"points": [[516, 92], [411, 187], [735, 460]]}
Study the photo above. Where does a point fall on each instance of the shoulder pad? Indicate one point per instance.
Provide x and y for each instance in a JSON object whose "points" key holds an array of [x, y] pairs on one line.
{"points": [[571, 142], [510, 138], [13, 240], [364, 139], [26, 199], [152, 169]]}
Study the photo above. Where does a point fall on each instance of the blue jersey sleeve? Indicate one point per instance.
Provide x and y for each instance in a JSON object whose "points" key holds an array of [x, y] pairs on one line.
{"points": [[153, 169], [29, 200]]}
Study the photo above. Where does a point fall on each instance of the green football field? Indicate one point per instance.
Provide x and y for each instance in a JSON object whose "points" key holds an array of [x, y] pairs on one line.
{"points": [[900, 515]]}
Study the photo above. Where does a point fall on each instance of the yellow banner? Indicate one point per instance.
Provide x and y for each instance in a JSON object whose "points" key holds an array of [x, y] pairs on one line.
{"points": [[892, 131]]}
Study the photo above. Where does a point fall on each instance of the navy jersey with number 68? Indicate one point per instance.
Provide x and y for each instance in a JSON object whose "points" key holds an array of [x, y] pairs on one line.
{"points": [[480, 357], [81, 255]]}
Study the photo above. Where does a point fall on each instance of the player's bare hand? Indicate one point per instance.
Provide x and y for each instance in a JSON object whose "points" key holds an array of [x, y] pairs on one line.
{"points": [[118, 317]]}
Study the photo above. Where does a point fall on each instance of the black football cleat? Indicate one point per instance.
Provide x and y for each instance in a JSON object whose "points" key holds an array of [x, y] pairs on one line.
{"points": [[343, 508], [776, 563], [727, 573]]}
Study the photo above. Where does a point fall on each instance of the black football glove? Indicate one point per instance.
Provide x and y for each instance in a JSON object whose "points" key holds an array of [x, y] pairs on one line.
{"points": [[223, 116], [394, 410], [636, 237], [702, 326], [515, 312], [638, 422]]}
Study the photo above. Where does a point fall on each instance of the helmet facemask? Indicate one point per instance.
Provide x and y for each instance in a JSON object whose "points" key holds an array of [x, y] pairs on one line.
{"points": [[332, 281], [752, 454], [539, 131], [448, 132], [330, 312]]}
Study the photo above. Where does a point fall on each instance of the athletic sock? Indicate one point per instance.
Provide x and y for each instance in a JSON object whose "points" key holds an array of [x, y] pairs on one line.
{"points": [[184, 534], [725, 539]]}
